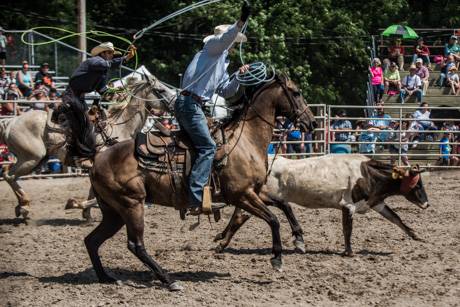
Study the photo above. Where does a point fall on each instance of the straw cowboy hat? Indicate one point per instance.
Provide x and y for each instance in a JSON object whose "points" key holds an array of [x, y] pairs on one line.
{"points": [[453, 67], [107, 46], [240, 38]]}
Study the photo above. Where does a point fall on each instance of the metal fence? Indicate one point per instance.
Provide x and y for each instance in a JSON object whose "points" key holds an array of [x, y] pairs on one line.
{"points": [[405, 142]]}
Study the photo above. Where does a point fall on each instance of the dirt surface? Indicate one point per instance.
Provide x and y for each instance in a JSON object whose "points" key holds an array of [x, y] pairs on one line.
{"points": [[45, 263]]}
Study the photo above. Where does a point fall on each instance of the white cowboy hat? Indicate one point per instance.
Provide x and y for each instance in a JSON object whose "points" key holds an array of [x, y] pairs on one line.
{"points": [[107, 46], [240, 38]]}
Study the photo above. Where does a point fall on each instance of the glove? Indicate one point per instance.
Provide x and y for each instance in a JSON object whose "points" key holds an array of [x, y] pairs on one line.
{"points": [[245, 11], [131, 52]]}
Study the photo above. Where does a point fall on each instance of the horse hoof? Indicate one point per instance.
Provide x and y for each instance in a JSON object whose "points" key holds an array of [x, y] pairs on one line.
{"points": [[300, 247], [72, 203], [21, 211], [348, 254], [109, 280], [175, 286], [218, 237], [277, 264], [219, 249]]}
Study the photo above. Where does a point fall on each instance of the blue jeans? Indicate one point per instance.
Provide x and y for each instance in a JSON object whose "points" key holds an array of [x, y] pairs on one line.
{"points": [[193, 121], [403, 94]]}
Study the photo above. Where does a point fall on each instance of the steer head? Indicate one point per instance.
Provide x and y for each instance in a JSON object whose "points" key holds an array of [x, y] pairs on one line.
{"points": [[411, 185]]}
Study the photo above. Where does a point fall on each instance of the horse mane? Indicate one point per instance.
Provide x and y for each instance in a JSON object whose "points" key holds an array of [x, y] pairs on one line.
{"points": [[245, 101], [116, 110]]}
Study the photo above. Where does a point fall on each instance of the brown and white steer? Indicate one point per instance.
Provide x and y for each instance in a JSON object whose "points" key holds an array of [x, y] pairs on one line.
{"points": [[351, 183]]}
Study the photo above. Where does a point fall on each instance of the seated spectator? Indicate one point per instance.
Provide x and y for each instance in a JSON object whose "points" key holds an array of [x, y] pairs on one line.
{"points": [[295, 135], [40, 97], [381, 122], [3, 43], [44, 76], [341, 124], [422, 115], [7, 109], [392, 79], [12, 77], [24, 80], [400, 137], [3, 83], [367, 135], [422, 52], [411, 85], [377, 79], [453, 80], [396, 53], [423, 73], [445, 66], [452, 48]]}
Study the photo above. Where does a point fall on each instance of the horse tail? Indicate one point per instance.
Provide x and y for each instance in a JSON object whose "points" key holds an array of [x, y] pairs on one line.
{"points": [[3, 129]]}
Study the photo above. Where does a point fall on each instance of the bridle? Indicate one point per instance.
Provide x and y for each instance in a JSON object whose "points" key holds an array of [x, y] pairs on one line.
{"points": [[292, 103]]}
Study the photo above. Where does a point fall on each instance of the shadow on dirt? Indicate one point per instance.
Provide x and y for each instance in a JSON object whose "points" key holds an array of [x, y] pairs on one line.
{"points": [[89, 277]]}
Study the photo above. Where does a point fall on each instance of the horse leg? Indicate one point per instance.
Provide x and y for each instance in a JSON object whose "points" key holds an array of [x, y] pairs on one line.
{"points": [[110, 225], [20, 168], [237, 220], [255, 206], [86, 213], [347, 228], [135, 227], [297, 231]]}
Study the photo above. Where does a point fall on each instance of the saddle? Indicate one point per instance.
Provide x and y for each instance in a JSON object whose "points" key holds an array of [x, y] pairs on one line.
{"points": [[171, 152]]}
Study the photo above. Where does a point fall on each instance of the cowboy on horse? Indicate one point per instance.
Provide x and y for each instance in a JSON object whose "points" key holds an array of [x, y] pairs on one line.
{"points": [[90, 76], [206, 74]]}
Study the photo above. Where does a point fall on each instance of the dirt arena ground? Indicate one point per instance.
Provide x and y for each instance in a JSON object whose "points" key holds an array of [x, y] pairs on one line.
{"points": [[45, 263]]}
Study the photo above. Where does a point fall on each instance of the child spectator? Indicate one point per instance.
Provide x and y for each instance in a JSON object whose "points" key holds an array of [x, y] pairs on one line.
{"points": [[423, 73], [421, 51], [377, 79], [7, 109], [3, 42], [453, 80], [392, 79], [295, 135], [341, 123], [396, 53], [24, 80], [452, 48], [411, 85], [445, 149]]}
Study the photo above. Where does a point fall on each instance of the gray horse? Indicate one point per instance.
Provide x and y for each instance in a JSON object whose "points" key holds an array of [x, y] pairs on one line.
{"points": [[32, 137]]}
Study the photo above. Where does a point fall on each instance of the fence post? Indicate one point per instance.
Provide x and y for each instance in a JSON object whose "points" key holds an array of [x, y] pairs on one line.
{"points": [[328, 130], [56, 61], [400, 135]]}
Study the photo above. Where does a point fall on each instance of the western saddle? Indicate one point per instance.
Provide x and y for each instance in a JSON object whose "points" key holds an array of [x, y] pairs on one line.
{"points": [[171, 152]]}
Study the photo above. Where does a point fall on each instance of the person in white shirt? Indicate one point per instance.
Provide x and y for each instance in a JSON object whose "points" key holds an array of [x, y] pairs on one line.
{"points": [[453, 80], [422, 116], [411, 85]]}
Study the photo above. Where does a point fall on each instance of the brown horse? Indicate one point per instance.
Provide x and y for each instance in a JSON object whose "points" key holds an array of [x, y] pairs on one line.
{"points": [[121, 187]]}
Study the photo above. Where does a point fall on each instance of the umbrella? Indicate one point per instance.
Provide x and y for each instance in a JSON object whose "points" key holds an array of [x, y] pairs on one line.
{"points": [[404, 31]]}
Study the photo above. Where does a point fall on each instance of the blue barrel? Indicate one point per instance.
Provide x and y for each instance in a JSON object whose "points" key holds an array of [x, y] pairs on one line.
{"points": [[340, 148]]}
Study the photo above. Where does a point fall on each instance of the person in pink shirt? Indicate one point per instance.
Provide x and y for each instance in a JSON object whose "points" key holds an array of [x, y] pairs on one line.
{"points": [[377, 79]]}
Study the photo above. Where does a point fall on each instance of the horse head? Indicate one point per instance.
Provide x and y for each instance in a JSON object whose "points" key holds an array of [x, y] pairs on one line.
{"points": [[159, 98], [292, 104]]}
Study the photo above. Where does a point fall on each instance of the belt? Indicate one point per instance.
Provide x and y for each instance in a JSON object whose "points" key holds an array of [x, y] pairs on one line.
{"points": [[194, 97]]}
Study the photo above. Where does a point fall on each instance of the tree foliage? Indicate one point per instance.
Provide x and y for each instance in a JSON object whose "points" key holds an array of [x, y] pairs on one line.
{"points": [[322, 44]]}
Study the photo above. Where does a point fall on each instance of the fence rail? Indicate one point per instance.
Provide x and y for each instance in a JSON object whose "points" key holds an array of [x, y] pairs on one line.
{"points": [[324, 139]]}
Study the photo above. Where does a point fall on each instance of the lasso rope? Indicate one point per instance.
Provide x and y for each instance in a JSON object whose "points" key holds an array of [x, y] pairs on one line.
{"points": [[256, 74]]}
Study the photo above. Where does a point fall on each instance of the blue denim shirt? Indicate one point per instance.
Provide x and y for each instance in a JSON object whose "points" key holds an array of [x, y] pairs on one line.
{"points": [[208, 68]]}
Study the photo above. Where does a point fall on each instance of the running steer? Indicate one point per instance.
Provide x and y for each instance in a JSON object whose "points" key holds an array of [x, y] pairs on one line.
{"points": [[351, 183]]}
